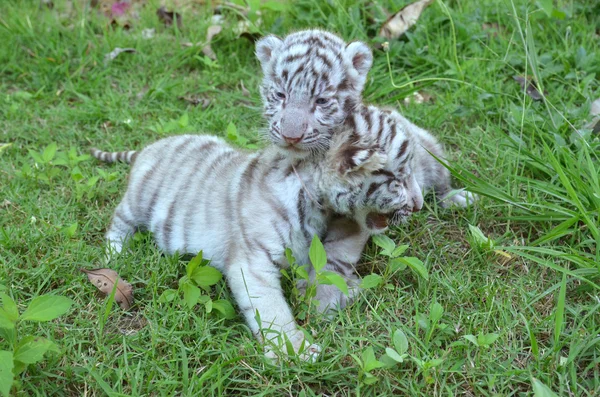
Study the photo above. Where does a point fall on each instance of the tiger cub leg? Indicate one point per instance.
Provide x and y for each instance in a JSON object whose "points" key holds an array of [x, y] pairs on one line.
{"points": [[344, 243], [122, 227], [257, 290]]}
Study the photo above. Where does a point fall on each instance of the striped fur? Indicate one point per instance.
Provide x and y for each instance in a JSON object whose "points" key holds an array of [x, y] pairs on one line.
{"points": [[113, 157], [312, 81], [198, 193], [312, 95]]}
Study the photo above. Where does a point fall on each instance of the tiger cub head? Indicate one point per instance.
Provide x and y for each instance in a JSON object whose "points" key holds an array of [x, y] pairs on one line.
{"points": [[312, 81]]}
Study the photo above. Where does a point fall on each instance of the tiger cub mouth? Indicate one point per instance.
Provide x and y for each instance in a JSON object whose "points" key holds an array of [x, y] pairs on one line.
{"points": [[378, 221]]}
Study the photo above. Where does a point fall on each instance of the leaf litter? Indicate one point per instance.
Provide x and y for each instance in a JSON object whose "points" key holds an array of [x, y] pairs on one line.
{"points": [[399, 23], [105, 280]]}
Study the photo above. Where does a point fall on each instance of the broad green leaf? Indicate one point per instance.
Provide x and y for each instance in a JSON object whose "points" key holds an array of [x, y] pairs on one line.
{"points": [[302, 272], [391, 353], [383, 241], [225, 308], [546, 6], [472, 339], [191, 293], [184, 120], [317, 254], [417, 266], [70, 231], [193, 264], [289, 255], [6, 372], [399, 250], [46, 308], [9, 306], [208, 305], [32, 349], [274, 5], [400, 341], [232, 133], [36, 156], [487, 339], [206, 276], [371, 281], [480, 239], [540, 389], [397, 264], [370, 379], [433, 363], [369, 361], [49, 152], [435, 312], [5, 321], [335, 279], [168, 296]]}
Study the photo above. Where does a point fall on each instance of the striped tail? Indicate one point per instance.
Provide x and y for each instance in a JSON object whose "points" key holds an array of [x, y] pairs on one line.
{"points": [[112, 157]]}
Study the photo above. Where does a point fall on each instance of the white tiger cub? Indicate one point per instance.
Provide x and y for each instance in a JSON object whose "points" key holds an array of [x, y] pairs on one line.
{"points": [[309, 97], [195, 192]]}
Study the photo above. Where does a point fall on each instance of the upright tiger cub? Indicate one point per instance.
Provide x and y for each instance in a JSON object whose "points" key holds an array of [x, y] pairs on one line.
{"points": [[312, 91]]}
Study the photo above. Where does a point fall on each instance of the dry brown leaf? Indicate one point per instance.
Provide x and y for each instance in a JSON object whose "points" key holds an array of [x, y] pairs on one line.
{"points": [[167, 17], [105, 279], [396, 25], [210, 33], [531, 89]]}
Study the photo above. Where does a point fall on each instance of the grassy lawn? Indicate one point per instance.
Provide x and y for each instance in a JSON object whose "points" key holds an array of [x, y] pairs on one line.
{"points": [[519, 300]]}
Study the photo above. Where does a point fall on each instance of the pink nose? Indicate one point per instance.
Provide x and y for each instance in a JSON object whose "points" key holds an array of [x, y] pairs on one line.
{"points": [[293, 140]]}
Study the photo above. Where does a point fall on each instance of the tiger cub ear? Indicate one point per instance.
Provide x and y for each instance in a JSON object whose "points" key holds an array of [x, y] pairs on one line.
{"points": [[266, 48], [359, 56]]}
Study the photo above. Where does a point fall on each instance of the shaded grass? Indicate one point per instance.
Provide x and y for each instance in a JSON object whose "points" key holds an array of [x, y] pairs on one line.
{"points": [[56, 88]]}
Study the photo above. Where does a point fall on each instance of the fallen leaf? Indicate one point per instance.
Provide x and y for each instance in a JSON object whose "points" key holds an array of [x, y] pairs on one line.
{"points": [[196, 101], [167, 17], [210, 33], [5, 204], [116, 52], [531, 89], [105, 279], [396, 25]]}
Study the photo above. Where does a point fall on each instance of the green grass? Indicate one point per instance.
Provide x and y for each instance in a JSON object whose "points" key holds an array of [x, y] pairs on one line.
{"points": [[535, 285]]}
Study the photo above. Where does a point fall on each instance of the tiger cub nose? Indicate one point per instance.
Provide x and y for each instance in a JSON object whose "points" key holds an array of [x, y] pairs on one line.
{"points": [[292, 140]]}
